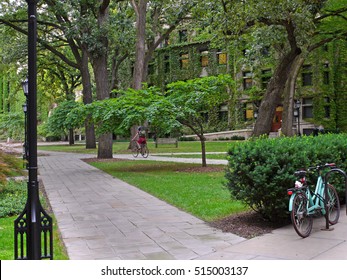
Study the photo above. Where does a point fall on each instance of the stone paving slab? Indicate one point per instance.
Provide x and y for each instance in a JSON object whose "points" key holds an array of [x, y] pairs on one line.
{"points": [[101, 217]]}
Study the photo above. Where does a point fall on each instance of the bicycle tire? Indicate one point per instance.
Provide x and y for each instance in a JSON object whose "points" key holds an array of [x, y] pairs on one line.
{"points": [[302, 222], [144, 151], [333, 205], [134, 150]]}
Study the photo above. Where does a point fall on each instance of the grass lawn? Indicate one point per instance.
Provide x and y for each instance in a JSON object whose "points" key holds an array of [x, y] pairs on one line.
{"points": [[7, 240], [13, 196], [122, 147], [199, 193]]}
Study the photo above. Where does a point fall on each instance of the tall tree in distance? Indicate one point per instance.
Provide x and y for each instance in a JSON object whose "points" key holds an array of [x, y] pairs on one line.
{"points": [[288, 26], [140, 8]]}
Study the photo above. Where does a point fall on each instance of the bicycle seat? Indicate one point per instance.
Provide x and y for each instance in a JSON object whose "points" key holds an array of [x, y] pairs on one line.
{"points": [[300, 173]]}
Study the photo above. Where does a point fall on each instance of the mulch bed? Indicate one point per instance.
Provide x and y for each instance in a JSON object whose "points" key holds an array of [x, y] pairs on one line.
{"points": [[247, 224]]}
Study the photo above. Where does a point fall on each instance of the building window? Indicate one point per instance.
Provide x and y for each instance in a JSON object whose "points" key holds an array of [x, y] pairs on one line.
{"points": [[247, 80], [265, 51], [326, 78], [204, 58], [307, 108], [327, 107], [222, 58], [151, 69], [249, 112], [307, 75], [184, 60], [166, 64], [183, 35], [223, 116], [265, 77], [204, 117], [245, 52], [326, 74]]}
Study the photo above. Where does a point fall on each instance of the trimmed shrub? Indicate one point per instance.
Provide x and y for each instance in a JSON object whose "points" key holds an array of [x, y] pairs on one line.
{"points": [[183, 138], [260, 171]]}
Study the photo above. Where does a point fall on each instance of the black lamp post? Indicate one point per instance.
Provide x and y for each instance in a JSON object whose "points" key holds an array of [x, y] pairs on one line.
{"points": [[296, 112], [25, 110], [33, 227]]}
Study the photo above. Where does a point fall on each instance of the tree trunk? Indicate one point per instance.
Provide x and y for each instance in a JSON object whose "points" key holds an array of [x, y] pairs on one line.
{"points": [[105, 146], [289, 91], [140, 10], [203, 150], [273, 93], [71, 137], [99, 63], [87, 98], [102, 92]]}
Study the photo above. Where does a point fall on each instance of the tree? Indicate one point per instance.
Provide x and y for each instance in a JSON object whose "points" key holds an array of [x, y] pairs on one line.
{"points": [[57, 122], [193, 99], [117, 115], [331, 25], [54, 35], [288, 26], [184, 103], [161, 17]]}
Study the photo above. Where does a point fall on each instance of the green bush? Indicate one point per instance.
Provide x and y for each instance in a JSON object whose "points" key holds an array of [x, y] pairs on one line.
{"points": [[183, 138], [234, 137], [260, 171], [12, 198]]}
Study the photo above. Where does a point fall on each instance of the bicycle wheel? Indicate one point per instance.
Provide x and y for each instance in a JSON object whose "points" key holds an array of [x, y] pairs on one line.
{"points": [[302, 222], [144, 151], [135, 150], [333, 205]]}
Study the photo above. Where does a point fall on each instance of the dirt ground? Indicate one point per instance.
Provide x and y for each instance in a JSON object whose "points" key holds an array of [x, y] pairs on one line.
{"points": [[248, 224]]}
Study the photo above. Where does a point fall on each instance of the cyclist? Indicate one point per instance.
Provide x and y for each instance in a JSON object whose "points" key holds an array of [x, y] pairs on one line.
{"points": [[141, 137]]}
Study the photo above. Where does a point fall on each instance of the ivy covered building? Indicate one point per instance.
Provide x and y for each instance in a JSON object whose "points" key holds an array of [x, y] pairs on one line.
{"points": [[321, 85]]}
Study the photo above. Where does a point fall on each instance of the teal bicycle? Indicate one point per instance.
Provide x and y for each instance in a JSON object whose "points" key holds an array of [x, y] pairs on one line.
{"points": [[304, 204]]}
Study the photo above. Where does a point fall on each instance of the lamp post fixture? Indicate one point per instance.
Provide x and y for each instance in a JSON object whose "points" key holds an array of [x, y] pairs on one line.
{"points": [[33, 227], [255, 114], [296, 112]]}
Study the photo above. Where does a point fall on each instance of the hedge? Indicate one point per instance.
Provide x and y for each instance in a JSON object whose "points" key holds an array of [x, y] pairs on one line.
{"points": [[260, 171]]}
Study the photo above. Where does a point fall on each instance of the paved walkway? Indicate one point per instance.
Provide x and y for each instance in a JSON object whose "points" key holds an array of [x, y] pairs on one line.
{"points": [[101, 217]]}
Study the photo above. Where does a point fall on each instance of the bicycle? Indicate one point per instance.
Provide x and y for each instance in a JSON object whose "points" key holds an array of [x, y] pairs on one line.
{"points": [[143, 150], [304, 204]]}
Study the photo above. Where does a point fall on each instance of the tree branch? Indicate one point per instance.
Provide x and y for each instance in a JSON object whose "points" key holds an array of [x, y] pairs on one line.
{"points": [[43, 43], [104, 5]]}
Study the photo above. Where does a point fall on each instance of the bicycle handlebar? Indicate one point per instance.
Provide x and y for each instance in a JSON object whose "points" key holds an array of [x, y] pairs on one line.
{"points": [[302, 173], [320, 167]]}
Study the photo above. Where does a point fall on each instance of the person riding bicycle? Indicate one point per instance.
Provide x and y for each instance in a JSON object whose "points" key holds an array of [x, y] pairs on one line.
{"points": [[141, 134]]}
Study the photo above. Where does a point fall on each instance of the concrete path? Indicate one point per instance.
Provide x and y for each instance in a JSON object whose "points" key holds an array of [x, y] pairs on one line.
{"points": [[101, 217]]}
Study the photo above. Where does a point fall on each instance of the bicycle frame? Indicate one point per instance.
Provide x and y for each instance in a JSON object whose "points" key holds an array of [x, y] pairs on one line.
{"points": [[315, 199]]}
